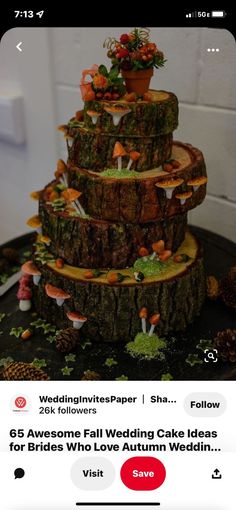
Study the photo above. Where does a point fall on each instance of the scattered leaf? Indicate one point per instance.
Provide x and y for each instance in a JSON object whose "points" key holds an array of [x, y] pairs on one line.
{"points": [[122, 378], [110, 362], [85, 344], [70, 358], [193, 359], [45, 326], [5, 361], [16, 331], [51, 339], [67, 370], [2, 316], [204, 344], [167, 377], [39, 363]]}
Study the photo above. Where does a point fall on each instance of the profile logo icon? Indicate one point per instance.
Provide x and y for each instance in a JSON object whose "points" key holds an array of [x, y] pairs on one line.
{"points": [[20, 404]]}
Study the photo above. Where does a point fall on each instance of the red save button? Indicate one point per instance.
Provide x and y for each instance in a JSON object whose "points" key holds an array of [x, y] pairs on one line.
{"points": [[143, 473]]}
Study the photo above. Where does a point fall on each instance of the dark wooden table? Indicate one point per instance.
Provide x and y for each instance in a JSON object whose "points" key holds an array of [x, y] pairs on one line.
{"points": [[220, 255]]}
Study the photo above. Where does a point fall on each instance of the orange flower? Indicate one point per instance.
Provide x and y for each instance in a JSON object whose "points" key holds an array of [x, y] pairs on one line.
{"points": [[100, 81]]}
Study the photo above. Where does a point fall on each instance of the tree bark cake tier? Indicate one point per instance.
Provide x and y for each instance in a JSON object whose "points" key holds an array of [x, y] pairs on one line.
{"points": [[112, 310], [93, 150], [88, 242], [156, 117], [138, 198]]}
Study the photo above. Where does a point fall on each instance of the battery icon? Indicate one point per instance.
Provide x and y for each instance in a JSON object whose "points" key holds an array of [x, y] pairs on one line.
{"points": [[218, 14]]}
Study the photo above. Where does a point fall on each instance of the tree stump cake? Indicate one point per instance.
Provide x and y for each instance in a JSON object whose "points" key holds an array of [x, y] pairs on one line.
{"points": [[112, 236]]}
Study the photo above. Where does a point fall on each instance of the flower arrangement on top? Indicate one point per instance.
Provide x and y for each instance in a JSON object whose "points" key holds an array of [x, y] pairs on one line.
{"points": [[134, 56], [134, 51]]}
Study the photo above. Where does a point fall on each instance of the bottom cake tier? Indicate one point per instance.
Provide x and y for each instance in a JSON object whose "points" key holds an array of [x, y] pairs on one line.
{"points": [[177, 293]]}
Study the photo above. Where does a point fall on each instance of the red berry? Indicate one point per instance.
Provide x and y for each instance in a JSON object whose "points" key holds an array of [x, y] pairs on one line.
{"points": [[122, 53], [107, 96], [115, 96], [167, 167], [124, 38], [59, 263]]}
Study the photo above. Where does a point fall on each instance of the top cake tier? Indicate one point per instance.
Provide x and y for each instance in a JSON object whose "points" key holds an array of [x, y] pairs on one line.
{"points": [[138, 118]]}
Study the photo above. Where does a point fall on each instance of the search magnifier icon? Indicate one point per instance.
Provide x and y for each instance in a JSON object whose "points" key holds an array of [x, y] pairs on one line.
{"points": [[211, 356]]}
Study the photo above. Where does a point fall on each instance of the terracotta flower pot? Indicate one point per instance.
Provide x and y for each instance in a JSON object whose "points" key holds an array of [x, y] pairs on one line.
{"points": [[138, 81]]}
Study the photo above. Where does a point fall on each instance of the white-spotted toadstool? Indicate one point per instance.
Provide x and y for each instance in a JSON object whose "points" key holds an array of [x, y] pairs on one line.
{"points": [[133, 156], [35, 222], [93, 115], [197, 182], [31, 269], [118, 153], [55, 293], [183, 196], [169, 186], [154, 319], [117, 113], [77, 319], [143, 313]]}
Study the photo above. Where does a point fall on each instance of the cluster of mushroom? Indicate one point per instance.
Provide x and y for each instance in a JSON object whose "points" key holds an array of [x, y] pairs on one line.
{"points": [[153, 320], [116, 111], [169, 186], [158, 251], [119, 152], [70, 195], [60, 296]]}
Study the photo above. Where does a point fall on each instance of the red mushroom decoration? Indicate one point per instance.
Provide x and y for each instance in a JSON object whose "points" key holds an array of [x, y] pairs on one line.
{"points": [[77, 319], [31, 269], [143, 313], [118, 153], [133, 156], [154, 319], [24, 293], [55, 293]]}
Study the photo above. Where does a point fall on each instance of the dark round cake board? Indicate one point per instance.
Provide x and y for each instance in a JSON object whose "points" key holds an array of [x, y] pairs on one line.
{"points": [[220, 255]]}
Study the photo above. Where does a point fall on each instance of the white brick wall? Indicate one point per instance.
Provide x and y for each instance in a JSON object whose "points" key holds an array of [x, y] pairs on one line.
{"points": [[204, 82]]}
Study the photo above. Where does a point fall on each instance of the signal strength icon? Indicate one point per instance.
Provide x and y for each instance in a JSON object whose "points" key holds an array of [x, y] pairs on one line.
{"points": [[189, 15]]}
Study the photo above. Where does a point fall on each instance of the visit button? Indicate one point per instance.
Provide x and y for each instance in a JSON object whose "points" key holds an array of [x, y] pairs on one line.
{"points": [[143, 473]]}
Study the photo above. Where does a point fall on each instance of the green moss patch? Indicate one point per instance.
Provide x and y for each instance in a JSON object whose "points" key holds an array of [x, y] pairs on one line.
{"points": [[146, 347], [151, 267], [118, 174]]}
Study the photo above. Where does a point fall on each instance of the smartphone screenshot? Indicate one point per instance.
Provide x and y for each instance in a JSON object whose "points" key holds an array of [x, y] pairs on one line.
{"points": [[117, 262]]}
